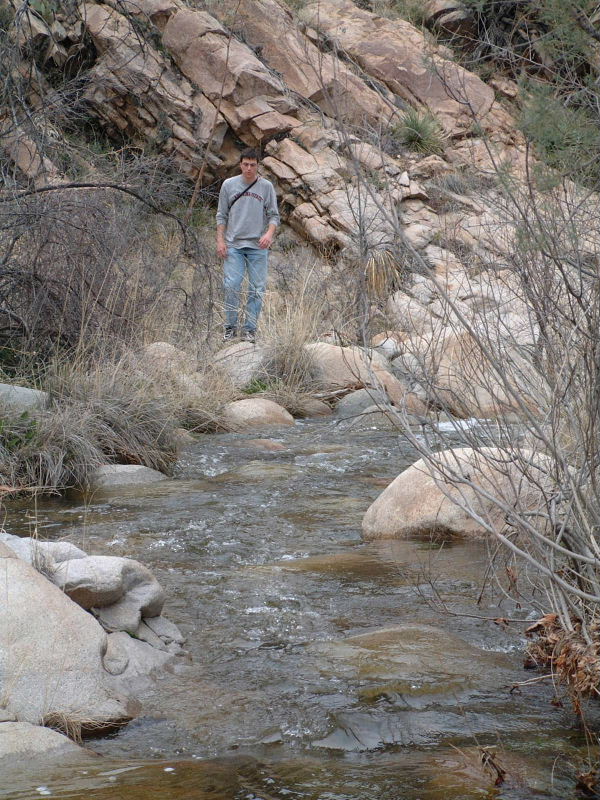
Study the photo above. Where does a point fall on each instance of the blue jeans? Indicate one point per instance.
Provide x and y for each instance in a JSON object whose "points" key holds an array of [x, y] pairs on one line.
{"points": [[237, 262]]}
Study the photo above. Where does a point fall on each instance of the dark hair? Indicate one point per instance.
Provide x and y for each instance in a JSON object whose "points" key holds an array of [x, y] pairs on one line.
{"points": [[249, 153]]}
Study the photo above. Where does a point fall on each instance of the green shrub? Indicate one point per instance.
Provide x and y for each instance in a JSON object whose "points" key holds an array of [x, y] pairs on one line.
{"points": [[420, 131], [565, 138], [256, 386], [412, 11]]}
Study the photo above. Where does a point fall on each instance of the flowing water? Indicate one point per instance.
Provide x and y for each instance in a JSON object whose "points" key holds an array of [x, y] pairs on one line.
{"points": [[321, 668]]}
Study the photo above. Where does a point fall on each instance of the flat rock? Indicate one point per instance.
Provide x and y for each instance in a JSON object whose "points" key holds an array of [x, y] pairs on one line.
{"points": [[165, 629], [23, 740], [116, 476], [21, 398]]}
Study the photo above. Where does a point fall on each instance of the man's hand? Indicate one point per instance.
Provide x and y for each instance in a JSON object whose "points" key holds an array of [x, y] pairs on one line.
{"points": [[221, 248], [266, 240]]}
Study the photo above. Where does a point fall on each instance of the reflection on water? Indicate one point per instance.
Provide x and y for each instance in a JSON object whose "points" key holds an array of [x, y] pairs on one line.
{"points": [[322, 667]]}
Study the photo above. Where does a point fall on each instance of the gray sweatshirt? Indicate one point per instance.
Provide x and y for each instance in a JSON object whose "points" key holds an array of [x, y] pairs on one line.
{"points": [[249, 217]]}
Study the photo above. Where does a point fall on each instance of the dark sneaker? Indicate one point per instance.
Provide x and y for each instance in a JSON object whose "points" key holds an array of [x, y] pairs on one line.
{"points": [[230, 333], [249, 336]]}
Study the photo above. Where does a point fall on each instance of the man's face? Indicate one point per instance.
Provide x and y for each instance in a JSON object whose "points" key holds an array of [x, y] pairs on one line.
{"points": [[249, 167]]}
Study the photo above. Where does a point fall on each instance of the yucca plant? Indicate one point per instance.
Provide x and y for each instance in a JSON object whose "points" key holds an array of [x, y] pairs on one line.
{"points": [[420, 131], [383, 273]]}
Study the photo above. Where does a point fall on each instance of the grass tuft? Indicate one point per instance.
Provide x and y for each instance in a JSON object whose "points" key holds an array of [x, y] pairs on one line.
{"points": [[421, 132]]}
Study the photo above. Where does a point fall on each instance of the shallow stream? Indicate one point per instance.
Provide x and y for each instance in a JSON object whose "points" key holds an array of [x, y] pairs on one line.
{"points": [[321, 668]]}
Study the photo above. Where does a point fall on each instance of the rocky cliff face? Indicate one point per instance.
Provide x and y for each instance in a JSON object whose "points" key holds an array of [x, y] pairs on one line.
{"points": [[316, 93]]}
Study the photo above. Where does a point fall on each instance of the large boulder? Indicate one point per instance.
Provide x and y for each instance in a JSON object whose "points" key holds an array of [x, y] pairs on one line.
{"points": [[255, 412], [51, 654], [315, 75], [241, 362], [129, 67], [482, 377], [41, 555], [453, 492], [163, 358]]}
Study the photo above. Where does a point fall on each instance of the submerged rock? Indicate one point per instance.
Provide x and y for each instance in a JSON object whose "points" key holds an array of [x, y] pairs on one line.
{"points": [[269, 445], [356, 402], [412, 660], [377, 418]]}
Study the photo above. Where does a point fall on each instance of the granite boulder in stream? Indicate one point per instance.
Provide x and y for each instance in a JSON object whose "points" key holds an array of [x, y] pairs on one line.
{"points": [[63, 666], [460, 491]]}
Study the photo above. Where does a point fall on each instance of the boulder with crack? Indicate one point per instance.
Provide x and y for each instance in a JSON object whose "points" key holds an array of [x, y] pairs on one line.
{"points": [[253, 101], [51, 654]]}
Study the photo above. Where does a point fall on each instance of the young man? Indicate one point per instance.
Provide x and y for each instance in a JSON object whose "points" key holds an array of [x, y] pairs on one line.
{"points": [[247, 217]]}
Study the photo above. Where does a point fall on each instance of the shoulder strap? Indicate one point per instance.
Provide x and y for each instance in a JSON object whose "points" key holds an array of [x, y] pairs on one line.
{"points": [[237, 197]]}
